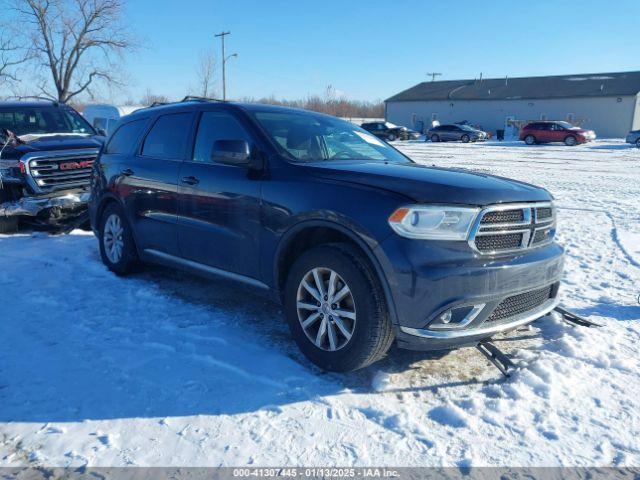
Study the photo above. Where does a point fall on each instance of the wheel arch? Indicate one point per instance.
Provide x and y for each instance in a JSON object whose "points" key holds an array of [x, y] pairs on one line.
{"points": [[312, 233]]}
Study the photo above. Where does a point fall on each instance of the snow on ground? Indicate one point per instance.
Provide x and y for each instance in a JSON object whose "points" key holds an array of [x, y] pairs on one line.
{"points": [[166, 369]]}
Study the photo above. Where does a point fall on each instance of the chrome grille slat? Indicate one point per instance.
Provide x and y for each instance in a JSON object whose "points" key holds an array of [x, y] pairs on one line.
{"points": [[46, 175], [513, 227]]}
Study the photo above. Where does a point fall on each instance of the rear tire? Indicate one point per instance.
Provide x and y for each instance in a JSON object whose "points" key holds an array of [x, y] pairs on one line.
{"points": [[9, 225], [435, 138], [570, 141], [364, 316], [530, 140], [465, 139], [117, 247]]}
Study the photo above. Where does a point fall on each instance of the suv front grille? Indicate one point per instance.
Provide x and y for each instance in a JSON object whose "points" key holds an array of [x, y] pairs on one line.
{"points": [[509, 228], [522, 303], [49, 174]]}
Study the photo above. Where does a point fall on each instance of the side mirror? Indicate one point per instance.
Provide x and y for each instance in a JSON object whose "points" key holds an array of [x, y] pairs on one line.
{"points": [[102, 132], [231, 152]]}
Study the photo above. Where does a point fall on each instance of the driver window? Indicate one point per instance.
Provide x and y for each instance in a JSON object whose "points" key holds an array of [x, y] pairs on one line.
{"points": [[216, 126]]}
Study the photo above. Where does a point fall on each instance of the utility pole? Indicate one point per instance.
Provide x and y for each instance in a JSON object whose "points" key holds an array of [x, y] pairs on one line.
{"points": [[433, 75], [224, 64]]}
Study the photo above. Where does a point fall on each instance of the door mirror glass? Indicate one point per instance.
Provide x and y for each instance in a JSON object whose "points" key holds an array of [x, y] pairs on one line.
{"points": [[231, 152]]}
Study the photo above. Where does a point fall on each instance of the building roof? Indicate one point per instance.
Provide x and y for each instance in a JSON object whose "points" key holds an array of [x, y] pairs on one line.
{"points": [[560, 86]]}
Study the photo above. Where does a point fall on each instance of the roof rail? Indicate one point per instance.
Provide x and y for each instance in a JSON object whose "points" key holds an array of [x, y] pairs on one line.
{"points": [[195, 98]]}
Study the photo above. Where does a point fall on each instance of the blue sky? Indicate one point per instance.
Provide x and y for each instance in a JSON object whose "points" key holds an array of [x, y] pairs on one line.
{"points": [[372, 49]]}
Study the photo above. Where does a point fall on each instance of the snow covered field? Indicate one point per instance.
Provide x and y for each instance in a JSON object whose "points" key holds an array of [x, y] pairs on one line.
{"points": [[166, 369]]}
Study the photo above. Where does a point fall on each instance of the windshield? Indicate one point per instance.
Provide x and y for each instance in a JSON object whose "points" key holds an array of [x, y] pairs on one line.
{"points": [[43, 120], [467, 128], [566, 125], [308, 137]]}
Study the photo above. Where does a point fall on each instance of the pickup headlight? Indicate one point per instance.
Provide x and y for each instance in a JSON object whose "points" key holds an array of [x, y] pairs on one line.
{"points": [[433, 222]]}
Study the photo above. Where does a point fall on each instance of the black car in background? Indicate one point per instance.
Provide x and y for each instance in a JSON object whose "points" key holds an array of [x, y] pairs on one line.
{"points": [[455, 133], [46, 153], [362, 246], [390, 132]]}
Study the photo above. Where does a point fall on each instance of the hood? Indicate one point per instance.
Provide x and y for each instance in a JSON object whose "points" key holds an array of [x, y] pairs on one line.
{"points": [[53, 143], [430, 184]]}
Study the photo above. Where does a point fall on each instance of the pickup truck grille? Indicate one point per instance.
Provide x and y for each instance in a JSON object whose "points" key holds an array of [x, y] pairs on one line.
{"points": [[64, 172], [510, 228], [522, 303]]}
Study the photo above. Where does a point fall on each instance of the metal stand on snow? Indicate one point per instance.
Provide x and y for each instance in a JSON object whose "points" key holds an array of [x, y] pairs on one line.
{"points": [[574, 319], [497, 357]]}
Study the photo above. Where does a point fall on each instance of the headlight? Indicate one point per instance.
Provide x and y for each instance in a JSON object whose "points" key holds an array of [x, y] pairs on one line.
{"points": [[433, 222]]}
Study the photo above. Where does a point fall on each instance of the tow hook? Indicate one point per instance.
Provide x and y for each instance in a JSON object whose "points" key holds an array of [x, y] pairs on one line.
{"points": [[501, 360]]}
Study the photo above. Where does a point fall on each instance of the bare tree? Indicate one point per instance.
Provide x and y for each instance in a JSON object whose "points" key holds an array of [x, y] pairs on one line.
{"points": [[77, 41], [12, 54], [150, 98], [206, 72]]}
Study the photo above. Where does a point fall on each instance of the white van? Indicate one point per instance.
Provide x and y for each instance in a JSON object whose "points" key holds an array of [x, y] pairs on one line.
{"points": [[104, 117]]}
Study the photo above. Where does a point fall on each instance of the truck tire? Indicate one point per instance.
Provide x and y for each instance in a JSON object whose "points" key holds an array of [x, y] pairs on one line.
{"points": [[117, 247], [336, 308], [8, 225]]}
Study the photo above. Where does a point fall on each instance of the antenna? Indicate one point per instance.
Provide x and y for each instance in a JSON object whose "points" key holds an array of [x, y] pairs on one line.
{"points": [[433, 75]]}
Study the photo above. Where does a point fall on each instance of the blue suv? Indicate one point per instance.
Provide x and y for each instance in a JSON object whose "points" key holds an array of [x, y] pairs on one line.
{"points": [[362, 246]]}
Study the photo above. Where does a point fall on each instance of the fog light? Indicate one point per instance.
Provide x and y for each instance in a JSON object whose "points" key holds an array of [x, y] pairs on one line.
{"points": [[458, 317]]}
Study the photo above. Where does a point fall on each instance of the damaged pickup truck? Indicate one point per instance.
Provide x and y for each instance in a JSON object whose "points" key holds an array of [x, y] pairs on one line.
{"points": [[47, 151]]}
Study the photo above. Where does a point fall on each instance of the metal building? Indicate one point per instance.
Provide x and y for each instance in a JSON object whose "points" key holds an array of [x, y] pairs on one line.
{"points": [[608, 103]]}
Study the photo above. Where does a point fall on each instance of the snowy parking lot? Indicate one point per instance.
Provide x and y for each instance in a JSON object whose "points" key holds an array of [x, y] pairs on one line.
{"points": [[165, 369]]}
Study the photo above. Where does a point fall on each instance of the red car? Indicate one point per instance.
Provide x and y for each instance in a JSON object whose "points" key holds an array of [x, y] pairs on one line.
{"points": [[546, 132]]}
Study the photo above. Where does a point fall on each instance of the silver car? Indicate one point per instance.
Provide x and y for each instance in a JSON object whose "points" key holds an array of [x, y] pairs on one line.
{"points": [[634, 138], [463, 133]]}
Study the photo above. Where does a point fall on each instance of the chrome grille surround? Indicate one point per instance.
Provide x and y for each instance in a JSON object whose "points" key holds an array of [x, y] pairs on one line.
{"points": [[44, 175], [535, 229]]}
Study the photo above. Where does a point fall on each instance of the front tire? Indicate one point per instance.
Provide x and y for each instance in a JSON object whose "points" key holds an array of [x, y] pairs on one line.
{"points": [[530, 140], [336, 309], [570, 141], [117, 247], [638, 143], [465, 139], [391, 137], [435, 138]]}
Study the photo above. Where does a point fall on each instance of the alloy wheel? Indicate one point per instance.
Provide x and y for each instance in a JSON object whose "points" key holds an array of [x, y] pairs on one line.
{"points": [[112, 238], [326, 309]]}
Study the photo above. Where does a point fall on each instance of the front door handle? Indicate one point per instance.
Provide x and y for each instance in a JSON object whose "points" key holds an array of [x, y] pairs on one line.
{"points": [[127, 172], [190, 180]]}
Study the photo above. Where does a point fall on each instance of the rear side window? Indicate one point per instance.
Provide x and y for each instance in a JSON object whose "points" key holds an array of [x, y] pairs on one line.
{"points": [[125, 137], [216, 126], [168, 137]]}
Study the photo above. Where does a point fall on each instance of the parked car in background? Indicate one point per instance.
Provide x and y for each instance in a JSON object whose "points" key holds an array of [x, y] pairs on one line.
{"points": [[548, 132], [46, 153], [362, 246], [389, 131], [455, 133], [634, 138], [105, 117]]}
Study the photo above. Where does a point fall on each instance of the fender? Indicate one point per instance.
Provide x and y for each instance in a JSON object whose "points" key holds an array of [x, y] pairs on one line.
{"points": [[356, 233], [107, 197]]}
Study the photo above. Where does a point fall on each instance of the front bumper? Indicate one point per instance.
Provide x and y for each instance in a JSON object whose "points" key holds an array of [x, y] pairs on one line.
{"points": [[33, 206], [428, 279]]}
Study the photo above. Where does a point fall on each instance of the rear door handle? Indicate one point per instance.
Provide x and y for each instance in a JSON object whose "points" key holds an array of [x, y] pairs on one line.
{"points": [[190, 180], [127, 172]]}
